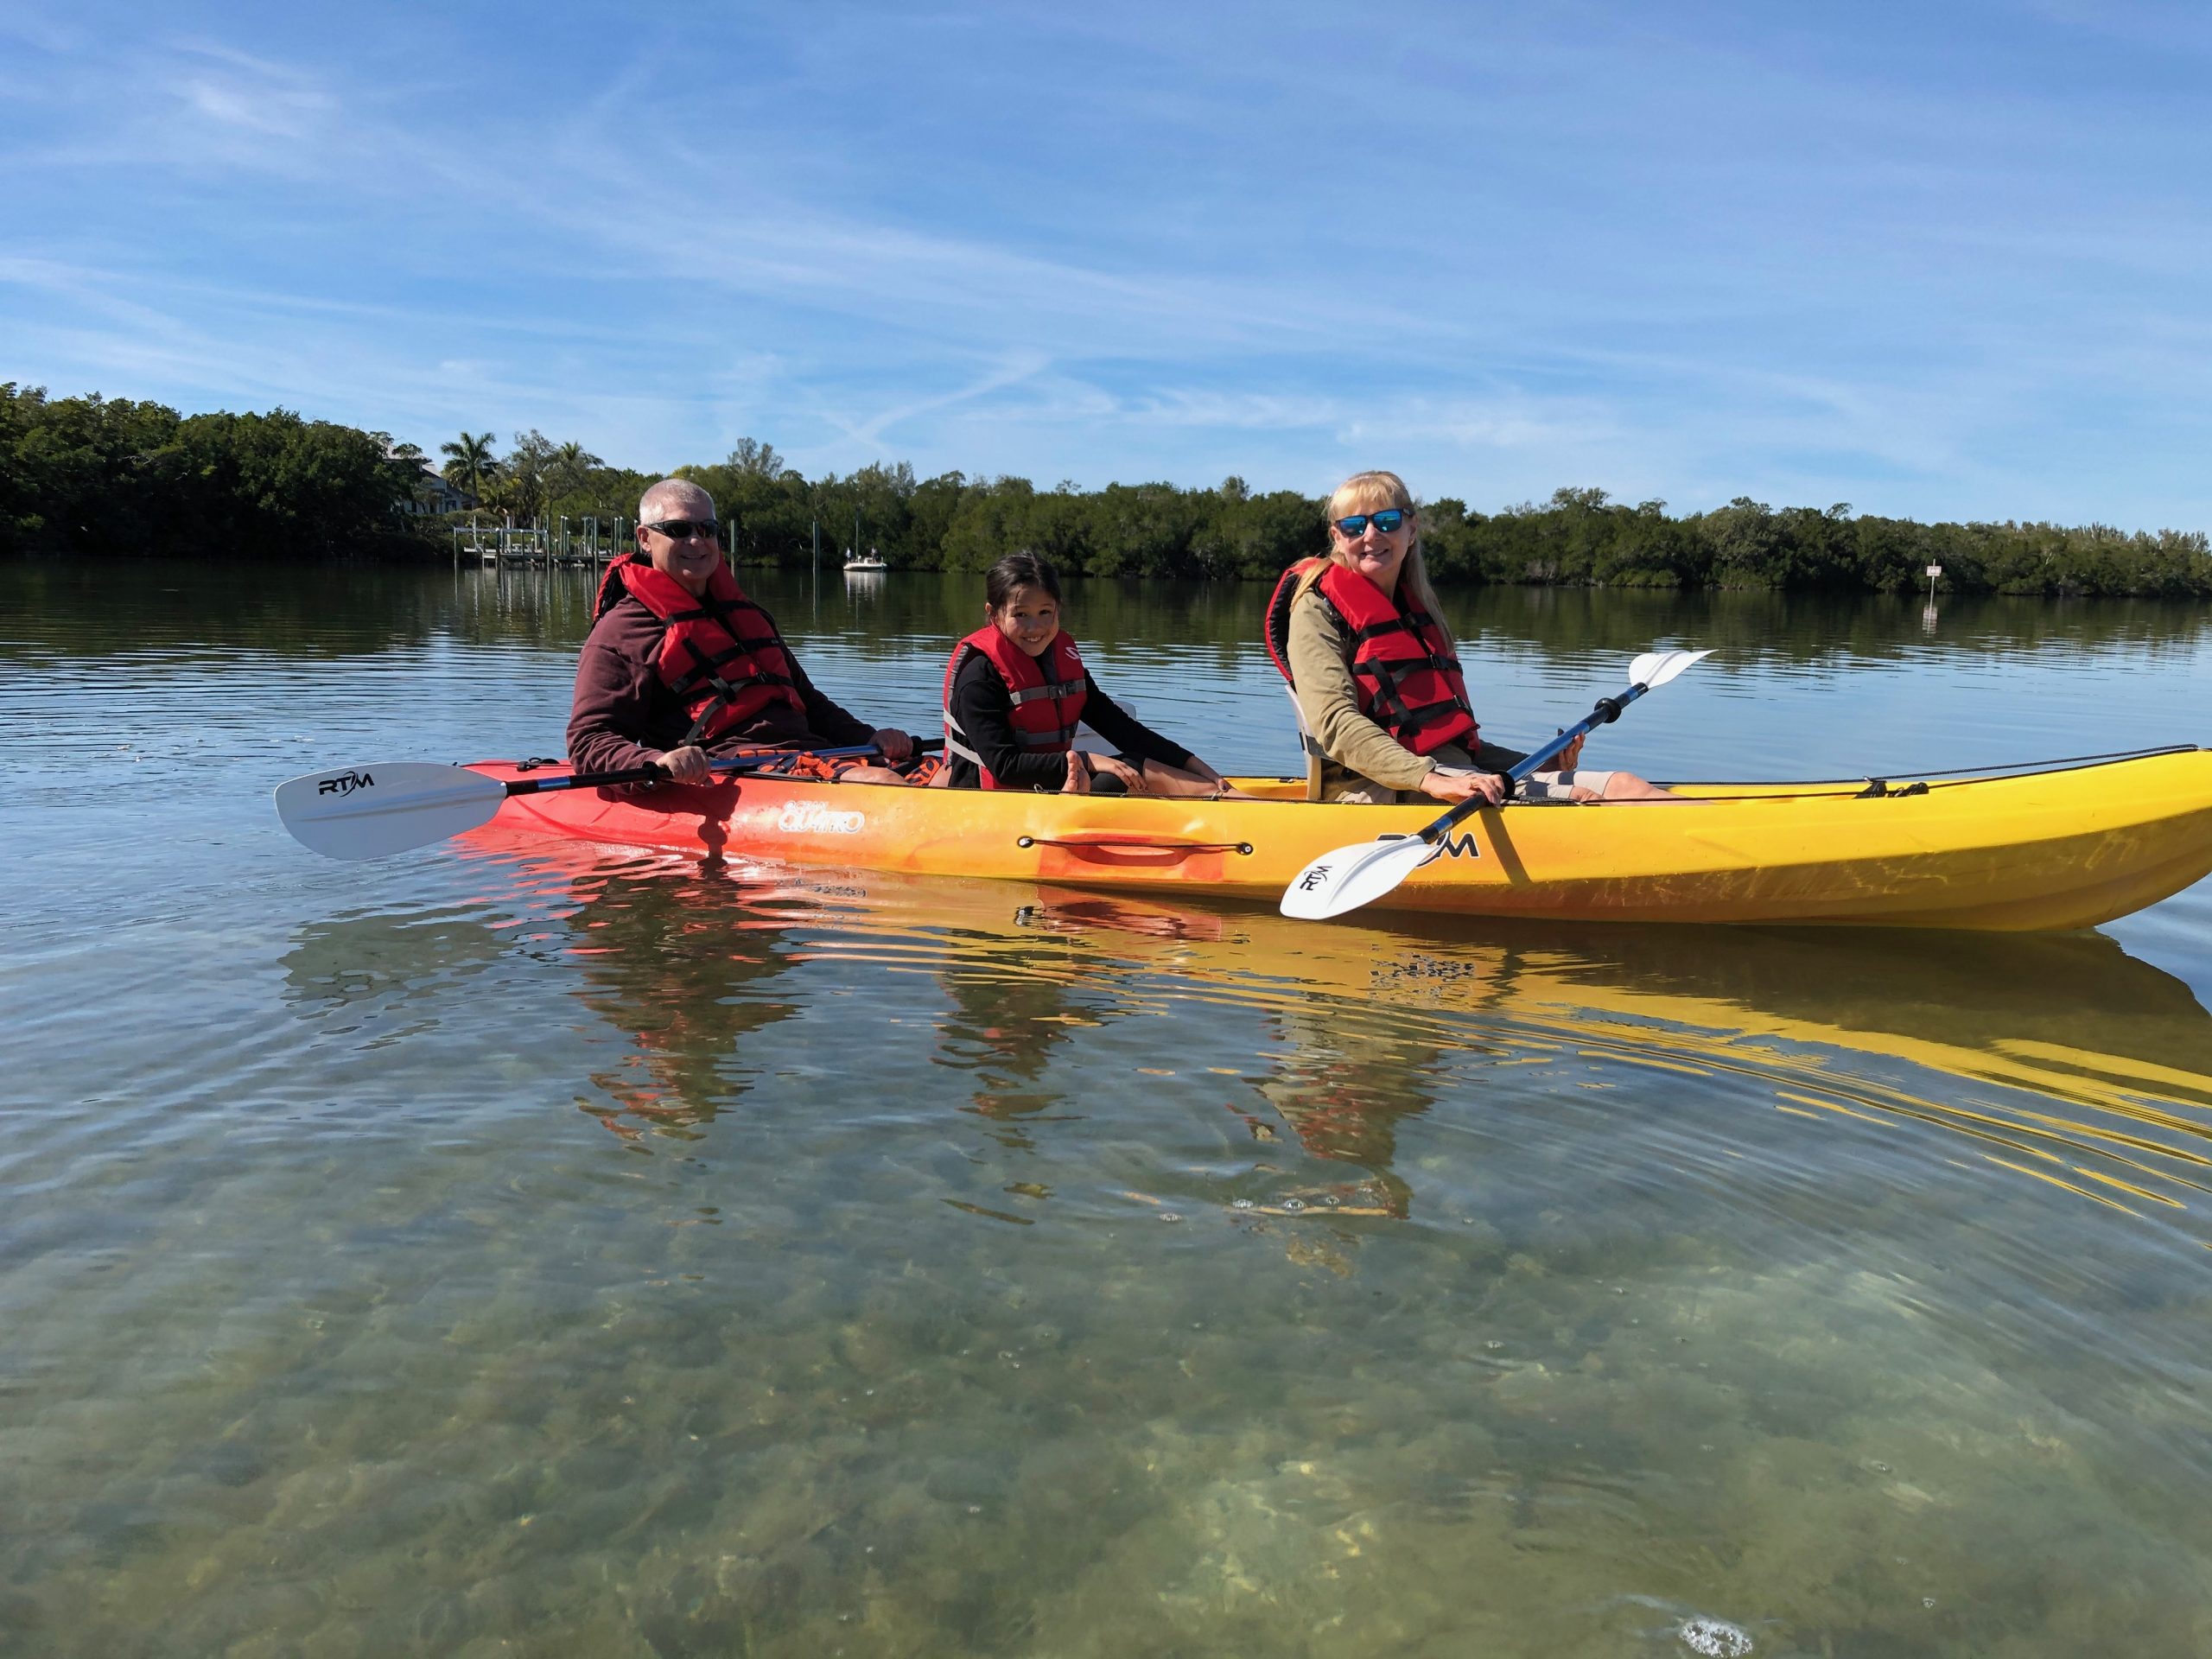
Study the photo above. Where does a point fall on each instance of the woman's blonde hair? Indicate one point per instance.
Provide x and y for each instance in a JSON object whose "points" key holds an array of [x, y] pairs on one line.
{"points": [[1370, 492]]}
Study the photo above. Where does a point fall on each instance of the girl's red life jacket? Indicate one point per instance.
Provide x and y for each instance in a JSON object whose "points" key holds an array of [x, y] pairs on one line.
{"points": [[1403, 671], [1048, 692], [720, 655]]}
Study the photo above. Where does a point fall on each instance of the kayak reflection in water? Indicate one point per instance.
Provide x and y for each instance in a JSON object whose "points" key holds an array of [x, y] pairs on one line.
{"points": [[685, 968], [1016, 692], [1343, 1093], [1361, 638], [680, 666]]}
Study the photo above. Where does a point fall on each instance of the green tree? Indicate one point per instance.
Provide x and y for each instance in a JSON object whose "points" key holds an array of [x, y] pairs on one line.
{"points": [[750, 455], [275, 486], [1256, 536], [526, 474], [571, 468], [81, 473], [473, 463]]}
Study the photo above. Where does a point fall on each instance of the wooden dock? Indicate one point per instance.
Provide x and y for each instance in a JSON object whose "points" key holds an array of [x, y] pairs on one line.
{"points": [[564, 543]]}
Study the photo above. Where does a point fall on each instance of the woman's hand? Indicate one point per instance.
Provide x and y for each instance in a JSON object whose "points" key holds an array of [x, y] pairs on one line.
{"points": [[685, 766], [1078, 781], [896, 745], [1459, 786]]}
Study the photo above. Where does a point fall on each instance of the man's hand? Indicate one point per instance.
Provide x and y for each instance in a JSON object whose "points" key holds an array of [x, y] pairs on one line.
{"points": [[1566, 759], [685, 766], [1458, 785], [896, 745]]}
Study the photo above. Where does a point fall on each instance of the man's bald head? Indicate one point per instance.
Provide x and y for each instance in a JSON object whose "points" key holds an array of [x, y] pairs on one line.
{"points": [[675, 497]]}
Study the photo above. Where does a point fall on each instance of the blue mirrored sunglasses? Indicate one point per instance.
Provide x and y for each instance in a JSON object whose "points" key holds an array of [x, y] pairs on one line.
{"points": [[1386, 521]]}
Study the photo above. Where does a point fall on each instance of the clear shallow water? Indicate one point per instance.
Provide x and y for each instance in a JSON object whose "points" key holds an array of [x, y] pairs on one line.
{"points": [[516, 1247]]}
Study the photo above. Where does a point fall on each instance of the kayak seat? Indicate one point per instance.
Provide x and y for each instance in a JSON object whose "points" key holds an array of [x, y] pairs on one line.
{"points": [[1314, 753]]}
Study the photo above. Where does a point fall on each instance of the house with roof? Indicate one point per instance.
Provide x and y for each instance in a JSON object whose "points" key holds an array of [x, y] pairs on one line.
{"points": [[433, 493]]}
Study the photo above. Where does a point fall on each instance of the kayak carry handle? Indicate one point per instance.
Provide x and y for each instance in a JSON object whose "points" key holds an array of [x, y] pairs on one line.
{"points": [[1121, 842]]}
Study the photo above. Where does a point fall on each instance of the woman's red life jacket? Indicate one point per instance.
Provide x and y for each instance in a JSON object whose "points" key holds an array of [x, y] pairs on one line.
{"points": [[720, 655], [1403, 672], [1048, 692]]}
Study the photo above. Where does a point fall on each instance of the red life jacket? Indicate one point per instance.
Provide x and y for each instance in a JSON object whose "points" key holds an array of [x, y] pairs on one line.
{"points": [[1403, 672], [1048, 692], [718, 653]]}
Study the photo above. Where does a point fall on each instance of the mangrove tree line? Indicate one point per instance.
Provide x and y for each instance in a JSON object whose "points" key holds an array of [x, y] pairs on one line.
{"points": [[83, 474]]}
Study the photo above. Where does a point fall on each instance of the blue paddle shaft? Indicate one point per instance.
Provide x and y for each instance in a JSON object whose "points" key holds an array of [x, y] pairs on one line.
{"points": [[1608, 709]]}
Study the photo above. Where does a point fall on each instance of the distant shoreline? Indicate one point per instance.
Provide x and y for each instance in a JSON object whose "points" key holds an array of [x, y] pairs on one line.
{"points": [[79, 476]]}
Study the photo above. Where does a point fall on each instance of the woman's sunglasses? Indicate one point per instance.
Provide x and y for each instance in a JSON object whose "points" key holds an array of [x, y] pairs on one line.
{"points": [[683, 529], [1386, 521]]}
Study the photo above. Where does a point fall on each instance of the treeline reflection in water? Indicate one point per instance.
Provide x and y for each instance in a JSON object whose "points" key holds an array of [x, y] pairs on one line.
{"points": [[350, 609]]}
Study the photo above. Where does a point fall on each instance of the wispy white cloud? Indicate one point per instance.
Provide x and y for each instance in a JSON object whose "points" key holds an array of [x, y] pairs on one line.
{"points": [[1682, 253]]}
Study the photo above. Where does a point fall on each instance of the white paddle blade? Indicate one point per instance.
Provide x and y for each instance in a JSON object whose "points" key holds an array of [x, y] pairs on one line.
{"points": [[1352, 876], [1654, 668], [367, 811]]}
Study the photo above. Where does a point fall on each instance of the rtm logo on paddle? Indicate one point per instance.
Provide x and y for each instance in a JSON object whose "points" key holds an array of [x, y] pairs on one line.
{"points": [[1461, 846], [344, 783]]}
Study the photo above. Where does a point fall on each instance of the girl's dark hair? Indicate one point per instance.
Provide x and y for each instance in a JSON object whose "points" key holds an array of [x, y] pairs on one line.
{"points": [[1023, 569]]}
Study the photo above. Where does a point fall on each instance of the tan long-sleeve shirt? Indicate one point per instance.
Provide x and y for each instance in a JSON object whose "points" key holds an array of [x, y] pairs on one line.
{"points": [[1321, 667]]}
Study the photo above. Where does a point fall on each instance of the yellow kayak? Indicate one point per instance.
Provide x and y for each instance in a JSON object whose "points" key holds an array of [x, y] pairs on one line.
{"points": [[2064, 846]]}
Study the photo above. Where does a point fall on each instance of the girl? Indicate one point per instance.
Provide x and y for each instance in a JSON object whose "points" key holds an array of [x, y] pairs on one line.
{"points": [[1016, 690]]}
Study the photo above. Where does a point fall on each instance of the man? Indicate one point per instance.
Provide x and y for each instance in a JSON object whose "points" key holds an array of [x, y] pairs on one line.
{"points": [[680, 666]]}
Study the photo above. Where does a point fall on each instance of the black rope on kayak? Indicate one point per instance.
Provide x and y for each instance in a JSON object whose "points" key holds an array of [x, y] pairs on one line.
{"points": [[2069, 763], [1963, 774]]}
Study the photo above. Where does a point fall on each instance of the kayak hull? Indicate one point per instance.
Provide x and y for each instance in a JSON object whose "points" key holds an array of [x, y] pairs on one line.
{"points": [[2065, 846]]}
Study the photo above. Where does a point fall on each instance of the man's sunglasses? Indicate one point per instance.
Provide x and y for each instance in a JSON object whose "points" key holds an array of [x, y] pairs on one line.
{"points": [[683, 529], [1386, 521]]}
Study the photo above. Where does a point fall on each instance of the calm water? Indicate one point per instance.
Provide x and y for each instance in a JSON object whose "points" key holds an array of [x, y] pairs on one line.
{"points": [[516, 1248]]}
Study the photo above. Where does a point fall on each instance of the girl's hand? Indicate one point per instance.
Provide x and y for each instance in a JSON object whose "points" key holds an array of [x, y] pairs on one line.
{"points": [[1078, 781], [1458, 785], [1132, 779]]}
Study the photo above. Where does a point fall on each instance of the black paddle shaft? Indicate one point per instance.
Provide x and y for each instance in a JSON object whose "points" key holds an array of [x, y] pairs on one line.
{"points": [[1608, 709], [652, 774]]}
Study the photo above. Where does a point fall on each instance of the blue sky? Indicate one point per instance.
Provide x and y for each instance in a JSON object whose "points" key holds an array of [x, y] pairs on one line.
{"points": [[1939, 260]]}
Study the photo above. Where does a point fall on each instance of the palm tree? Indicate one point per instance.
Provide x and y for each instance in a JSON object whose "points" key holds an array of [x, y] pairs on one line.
{"points": [[471, 463], [570, 462]]}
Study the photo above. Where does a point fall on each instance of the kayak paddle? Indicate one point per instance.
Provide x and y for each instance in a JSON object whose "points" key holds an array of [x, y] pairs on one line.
{"points": [[367, 811], [1352, 876]]}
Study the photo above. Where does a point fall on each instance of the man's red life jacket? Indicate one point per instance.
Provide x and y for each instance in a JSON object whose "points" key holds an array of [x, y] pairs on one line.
{"points": [[1403, 672], [720, 655], [1048, 692]]}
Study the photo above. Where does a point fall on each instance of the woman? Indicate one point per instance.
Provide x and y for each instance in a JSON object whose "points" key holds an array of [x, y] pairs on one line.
{"points": [[1016, 690], [1362, 640]]}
